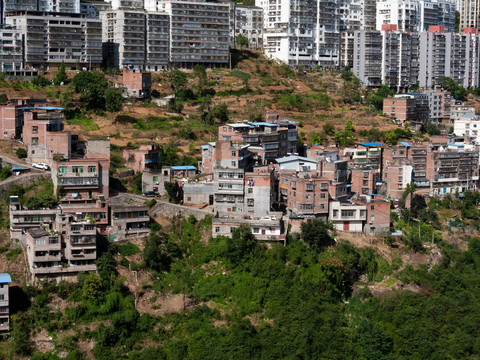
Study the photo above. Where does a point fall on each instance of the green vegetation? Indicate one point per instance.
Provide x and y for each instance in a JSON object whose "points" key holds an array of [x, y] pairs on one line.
{"points": [[12, 254], [21, 153], [128, 249]]}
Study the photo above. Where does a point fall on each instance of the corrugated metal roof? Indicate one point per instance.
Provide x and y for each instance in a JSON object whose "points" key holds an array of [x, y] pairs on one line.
{"points": [[294, 158], [263, 124], [5, 278]]}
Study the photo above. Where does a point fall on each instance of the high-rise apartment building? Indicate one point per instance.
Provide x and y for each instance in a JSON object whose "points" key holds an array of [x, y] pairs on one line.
{"points": [[448, 54], [64, 6], [135, 38], [416, 15], [302, 32], [469, 14], [354, 15], [199, 31], [52, 38], [246, 21]]}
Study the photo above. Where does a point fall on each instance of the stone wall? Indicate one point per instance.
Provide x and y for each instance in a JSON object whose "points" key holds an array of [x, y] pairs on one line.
{"points": [[24, 180], [163, 208]]}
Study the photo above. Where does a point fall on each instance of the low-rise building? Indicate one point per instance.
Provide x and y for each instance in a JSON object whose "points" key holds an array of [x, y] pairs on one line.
{"points": [[44, 135], [22, 219], [136, 83], [129, 221], [378, 214], [145, 157], [11, 116], [267, 228], [303, 193], [5, 280], [153, 180], [198, 193], [44, 253], [346, 216]]}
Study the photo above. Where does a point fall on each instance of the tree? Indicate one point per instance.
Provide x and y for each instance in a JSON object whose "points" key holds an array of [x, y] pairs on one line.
{"points": [[240, 244], [21, 153], [178, 79], [3, 99], [20, 344], [40, 81], [316, 233], [155, 254], [113, 99], [67, 97], [433, 130], [346, 137], [242, 41], [91, 86], [329, 129], [457, 21], [172, 190], [61, 76]]}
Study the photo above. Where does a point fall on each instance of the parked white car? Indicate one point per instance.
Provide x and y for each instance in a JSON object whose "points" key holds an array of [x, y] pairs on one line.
{"points": [[42, 166]]}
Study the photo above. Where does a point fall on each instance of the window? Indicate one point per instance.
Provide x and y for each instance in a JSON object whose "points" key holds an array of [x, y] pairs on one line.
{"points": [[308, 196], [217, 229], [53, 240], [256, 230], [119, 228], [40, 241], [35, 140], [89, 227], [335, 213], [365, 174], [2, 297], [34, 129], [322, 206], [372, 218], [372, 207], [234, 163], [250, 190], [234, 153], [347, 213], [365, 182], [89, 251], [155, 179], [62, 169], [232, 229], [322, 196], [92, 169], [77, 169]]}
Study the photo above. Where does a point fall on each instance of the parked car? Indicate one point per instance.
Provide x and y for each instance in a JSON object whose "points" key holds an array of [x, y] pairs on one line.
{"points": [[42, 166], [150, 194]]}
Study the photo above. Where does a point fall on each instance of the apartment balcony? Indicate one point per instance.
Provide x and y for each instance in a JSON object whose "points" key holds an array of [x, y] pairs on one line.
{"points": [[79, 181], [82, 241], [46, 257]]}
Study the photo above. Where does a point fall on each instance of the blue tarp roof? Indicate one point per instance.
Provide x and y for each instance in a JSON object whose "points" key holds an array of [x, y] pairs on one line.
{"points": [[43, 108], [370, 144], [5, 278], [405, 143], [16, 168], [204, 147], [186, 167]]}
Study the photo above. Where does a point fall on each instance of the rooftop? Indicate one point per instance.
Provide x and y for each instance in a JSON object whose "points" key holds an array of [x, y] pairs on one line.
{"points": [[182, 168], [5, 278], [37, 232], [294, 158]]}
